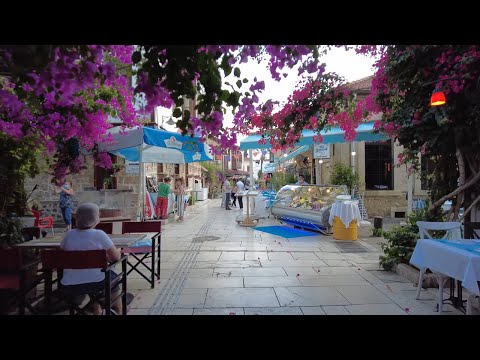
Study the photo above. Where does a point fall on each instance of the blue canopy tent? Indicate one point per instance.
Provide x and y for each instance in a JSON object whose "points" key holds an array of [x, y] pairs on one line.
{"points": [[332, 136], [150, 145], [145, 144]]}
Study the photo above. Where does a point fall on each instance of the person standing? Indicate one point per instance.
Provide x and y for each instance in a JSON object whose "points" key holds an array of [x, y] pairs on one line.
{"points": [[179, 190], [241, 187], [66, 202], [162, 199], [234, 195], [301, 180], [227, 188]]}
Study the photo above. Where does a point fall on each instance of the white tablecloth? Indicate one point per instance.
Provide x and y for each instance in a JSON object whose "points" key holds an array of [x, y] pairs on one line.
{"points": [[347, 211], [457, 263]]}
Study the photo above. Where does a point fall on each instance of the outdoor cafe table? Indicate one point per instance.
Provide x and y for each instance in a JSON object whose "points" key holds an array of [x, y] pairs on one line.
{"points": [[458, 259], [120, 241]]}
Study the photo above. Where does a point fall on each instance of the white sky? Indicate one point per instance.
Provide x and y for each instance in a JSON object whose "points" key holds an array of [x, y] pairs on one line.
{"points": [[345, 63]]}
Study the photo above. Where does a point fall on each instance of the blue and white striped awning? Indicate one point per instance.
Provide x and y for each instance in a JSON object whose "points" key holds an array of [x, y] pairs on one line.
{"points": [[333, 136]]}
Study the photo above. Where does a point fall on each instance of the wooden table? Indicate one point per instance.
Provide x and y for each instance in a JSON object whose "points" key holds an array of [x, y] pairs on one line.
{"points": [[115, 219], [120, 240]]}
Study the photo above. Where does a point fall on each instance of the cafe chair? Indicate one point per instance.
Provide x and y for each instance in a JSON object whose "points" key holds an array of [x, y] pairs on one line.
{"points": [[18, 278], [426, 229], [45, 222], [145, 249], [472, 231], [87, 259], [106, 227]]}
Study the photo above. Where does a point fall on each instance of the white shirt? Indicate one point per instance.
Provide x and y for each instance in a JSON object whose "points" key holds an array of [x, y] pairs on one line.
{"points": [[301, 183], [77, 240], [227, 187], [240, 185]]}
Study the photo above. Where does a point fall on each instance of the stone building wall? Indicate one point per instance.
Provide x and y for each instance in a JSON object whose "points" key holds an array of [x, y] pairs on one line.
{"points": [[125, 197]]}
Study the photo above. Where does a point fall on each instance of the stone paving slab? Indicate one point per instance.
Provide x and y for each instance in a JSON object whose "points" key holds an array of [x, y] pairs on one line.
{"points": [[241, 297], [309, 296], [274, 311]]}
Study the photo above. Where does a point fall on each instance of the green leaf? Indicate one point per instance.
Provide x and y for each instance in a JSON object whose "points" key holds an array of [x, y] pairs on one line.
{"points": [[239, 84], [236, 72], [245, 80], [186, 116], [224, 95], [177, 112]]}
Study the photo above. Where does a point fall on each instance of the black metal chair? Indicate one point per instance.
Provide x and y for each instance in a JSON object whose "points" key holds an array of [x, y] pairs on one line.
{"points": [[88, 259], [472, 231], [142, 253]]}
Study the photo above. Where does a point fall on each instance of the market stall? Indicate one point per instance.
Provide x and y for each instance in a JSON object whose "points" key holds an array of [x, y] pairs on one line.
{"points": [[307, 206]]}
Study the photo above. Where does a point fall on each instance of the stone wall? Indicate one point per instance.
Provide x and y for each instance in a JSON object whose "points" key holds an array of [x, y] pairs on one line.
{"points": [[382, 204], [125, 197]]}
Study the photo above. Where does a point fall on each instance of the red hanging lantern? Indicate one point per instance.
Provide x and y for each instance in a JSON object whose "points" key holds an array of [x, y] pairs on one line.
{"points": [[438, 98]]}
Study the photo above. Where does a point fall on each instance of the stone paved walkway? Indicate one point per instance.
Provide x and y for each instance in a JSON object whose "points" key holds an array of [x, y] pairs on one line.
{"points": [[242, 271]]}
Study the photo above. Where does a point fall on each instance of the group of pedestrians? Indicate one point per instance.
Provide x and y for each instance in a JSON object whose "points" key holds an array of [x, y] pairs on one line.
{"points": [[233, 193]]}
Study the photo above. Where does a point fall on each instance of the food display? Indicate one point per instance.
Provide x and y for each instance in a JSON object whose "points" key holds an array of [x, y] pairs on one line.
{"points": [[306, 206]]}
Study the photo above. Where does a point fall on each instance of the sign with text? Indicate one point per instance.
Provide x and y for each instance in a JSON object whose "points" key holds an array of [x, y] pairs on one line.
{"points": [[132, 167], [269, 168], [321, 151]]}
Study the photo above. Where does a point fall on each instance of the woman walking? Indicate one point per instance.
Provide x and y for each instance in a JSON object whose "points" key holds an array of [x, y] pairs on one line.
{"points": [[66, 202], [179, 190]]}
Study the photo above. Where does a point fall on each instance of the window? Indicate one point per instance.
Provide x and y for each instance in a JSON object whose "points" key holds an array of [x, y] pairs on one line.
{"points": [[177, 169], [103, 177], [379, 165], [160, 173], [426, 170]]}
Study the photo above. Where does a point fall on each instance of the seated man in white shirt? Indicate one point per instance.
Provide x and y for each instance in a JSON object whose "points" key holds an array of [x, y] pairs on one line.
{"points": [[301, 180], [86, 237]]}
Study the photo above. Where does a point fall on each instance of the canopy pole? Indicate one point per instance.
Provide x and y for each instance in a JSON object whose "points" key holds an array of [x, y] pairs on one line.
{"points": [[252, 182], [141, 200]]}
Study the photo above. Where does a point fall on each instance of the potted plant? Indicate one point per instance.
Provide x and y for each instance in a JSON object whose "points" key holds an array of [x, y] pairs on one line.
{"points": [[108, 182]]}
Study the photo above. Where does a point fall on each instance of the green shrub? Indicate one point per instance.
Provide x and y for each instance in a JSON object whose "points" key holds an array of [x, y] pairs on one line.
{"points": [[401, 240], [344, 175], [377, 232]]}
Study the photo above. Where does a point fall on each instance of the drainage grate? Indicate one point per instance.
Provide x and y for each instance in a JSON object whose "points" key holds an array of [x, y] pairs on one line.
{"points": [[350, 247], [205, 238]]}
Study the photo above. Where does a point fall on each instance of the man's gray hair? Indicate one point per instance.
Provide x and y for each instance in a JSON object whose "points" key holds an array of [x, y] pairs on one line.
{"points": [[88, 216]]}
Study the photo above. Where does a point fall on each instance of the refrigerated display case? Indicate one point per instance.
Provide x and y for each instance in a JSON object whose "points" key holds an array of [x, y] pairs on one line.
{"points": [[307, 206]]}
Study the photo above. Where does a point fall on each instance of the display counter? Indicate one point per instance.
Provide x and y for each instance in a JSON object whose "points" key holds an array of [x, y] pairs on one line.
{"points": [[306, 206]]}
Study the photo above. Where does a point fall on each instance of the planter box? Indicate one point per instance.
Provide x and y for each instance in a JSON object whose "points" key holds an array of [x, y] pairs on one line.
{"points": [[412, 274]]}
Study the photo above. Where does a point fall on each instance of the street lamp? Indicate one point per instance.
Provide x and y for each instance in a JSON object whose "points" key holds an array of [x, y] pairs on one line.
{"points": [[438, 98]]}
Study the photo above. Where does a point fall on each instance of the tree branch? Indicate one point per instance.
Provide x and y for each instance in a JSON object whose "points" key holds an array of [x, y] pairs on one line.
{"points": [[461, 182], [470, 208], [473, 181]]}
